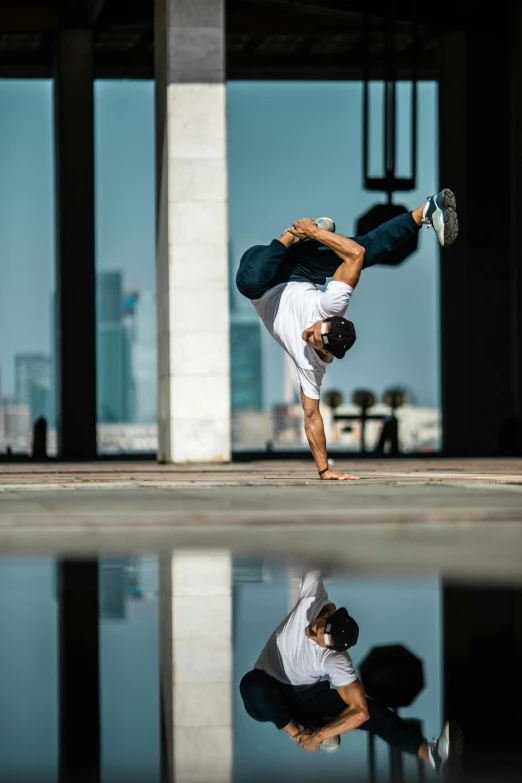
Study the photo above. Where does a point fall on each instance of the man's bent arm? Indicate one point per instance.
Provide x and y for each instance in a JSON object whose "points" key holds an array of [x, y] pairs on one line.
{"points": [[314, 429], [352, 717], [350, 253]]}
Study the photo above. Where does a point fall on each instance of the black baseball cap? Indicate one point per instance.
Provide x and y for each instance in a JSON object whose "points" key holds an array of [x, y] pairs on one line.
{"points": [[340, 338], [341, 631]]}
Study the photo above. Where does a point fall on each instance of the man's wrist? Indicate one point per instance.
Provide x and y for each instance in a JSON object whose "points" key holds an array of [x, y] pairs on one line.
{"points": [[321, 234], [286, 239]]}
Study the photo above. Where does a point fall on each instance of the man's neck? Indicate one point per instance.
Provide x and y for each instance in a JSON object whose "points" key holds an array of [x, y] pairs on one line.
{"points": [[327, 608], [324, 355]]}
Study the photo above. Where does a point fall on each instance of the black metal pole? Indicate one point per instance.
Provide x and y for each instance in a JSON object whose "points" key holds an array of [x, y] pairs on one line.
{"points": [[363, 431], [396, 771]]}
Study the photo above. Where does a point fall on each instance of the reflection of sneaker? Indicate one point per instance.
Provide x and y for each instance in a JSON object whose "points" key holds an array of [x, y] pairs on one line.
{"points": [[446, 752], [441, 214], [332, 743], [329, 744], [323, 222]]}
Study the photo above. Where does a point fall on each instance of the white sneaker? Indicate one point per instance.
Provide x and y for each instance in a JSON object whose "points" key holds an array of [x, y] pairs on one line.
{"points": [[445, 752], [331, 744], [440, 213], [328, 744], [322, 222]]}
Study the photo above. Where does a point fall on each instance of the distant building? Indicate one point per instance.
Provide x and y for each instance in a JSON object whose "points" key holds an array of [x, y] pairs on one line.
{"points": [[112, 402], [33, 384], [53, 368], [15, 424], [113, 583], [245, 361], [144, 359], [129, 310]]}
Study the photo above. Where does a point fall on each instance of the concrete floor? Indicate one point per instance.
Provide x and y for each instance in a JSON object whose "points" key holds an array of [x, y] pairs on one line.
{"points": [[459, 518]]}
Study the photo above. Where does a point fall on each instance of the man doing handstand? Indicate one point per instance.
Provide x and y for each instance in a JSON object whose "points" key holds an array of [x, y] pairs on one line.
{"points": [[282, 278]]}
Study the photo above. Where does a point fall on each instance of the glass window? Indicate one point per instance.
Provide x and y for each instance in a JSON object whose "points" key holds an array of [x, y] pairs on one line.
{"points": [[125, 259], [294, 150], [27, 241]]}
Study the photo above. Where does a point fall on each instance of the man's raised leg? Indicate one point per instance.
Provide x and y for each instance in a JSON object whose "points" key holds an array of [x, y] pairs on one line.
{"points": [[439, 212], [390, 235]]}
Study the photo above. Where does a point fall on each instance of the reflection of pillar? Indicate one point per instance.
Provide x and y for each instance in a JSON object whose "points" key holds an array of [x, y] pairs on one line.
{"points": [[192, 257], [196, 666]]}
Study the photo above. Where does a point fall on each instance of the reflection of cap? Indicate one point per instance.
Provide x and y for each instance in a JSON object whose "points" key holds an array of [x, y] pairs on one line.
{"points": [[341, 631], [340, 338]]}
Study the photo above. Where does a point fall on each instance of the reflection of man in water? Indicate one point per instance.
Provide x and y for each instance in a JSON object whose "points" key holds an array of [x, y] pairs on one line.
{"points": [[285, 685], [281, 280]]}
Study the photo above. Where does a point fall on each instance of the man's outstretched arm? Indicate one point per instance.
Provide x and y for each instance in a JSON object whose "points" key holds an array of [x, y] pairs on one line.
{"points": [[314, 429]]}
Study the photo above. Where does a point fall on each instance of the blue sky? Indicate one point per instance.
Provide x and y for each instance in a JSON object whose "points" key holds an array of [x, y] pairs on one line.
{"points": [[295, 149]]}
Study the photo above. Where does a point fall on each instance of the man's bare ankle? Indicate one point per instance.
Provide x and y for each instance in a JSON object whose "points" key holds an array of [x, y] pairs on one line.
{"points": [[291, 728], [418, 214]]}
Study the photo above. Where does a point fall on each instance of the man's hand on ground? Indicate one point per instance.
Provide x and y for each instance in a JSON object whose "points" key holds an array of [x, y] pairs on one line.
{"points": [[305, 227], [308, 740], [331, 475]]}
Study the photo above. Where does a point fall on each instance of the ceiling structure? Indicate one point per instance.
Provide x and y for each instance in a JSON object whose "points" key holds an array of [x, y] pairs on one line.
{"points": [[265, 39]]}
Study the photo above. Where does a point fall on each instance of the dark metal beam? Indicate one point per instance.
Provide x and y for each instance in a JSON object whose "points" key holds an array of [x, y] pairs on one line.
{"points": [[97, 8], [27, 17]]}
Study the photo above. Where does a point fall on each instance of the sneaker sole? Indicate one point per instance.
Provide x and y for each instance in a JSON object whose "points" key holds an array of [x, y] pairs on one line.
{"points": [[451, 769], [451, 221]]}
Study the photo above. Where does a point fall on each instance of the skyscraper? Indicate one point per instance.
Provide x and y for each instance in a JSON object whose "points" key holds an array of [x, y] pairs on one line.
{"points": [[129, 308], [113, 580], [33, 383], [245, 361], [246, 380], [144, 361], [111, 349]]}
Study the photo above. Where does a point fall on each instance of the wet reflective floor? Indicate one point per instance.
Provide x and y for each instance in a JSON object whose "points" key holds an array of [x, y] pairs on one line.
{"points": [[136, 601], [128, 668]]}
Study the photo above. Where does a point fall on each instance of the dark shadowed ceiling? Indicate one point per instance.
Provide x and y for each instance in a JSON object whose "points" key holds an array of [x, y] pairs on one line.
{"points": [[266, 39]]}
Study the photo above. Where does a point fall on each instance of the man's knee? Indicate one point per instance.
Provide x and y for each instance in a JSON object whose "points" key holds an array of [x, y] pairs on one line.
{"points": [[247, 287], [252, 686], [254, 269]]}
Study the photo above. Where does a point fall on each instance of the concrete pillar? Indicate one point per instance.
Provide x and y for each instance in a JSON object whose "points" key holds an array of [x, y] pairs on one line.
{"points": [[75, 268], [192, 243], [196, 666]]}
